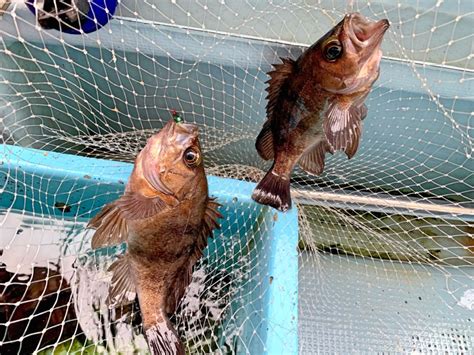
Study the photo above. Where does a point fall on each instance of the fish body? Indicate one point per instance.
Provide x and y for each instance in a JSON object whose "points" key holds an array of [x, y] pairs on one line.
{"points": [[165, 216], [316, 104]]}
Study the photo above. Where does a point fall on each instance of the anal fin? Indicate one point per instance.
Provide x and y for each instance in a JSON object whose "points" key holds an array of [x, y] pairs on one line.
{"points": [[312, 161], [122, 288]]}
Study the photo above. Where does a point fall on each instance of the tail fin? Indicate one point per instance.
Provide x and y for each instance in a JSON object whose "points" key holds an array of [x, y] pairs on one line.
{"points": [[163, 340], [274, 191]]}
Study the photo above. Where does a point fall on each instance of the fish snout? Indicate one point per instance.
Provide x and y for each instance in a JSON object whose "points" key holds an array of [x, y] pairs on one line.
{"points": [[173, 134], [171, 129], [183, 135], [189, 128], [364, 32], [385, 23], [380, 28]]}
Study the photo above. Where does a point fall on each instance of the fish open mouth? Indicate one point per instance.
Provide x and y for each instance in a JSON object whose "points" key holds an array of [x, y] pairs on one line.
{"points": [[365, 33], [171, 128]]}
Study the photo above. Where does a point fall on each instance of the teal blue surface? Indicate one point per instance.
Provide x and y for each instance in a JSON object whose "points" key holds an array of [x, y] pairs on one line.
{"points": [[264, 309]]}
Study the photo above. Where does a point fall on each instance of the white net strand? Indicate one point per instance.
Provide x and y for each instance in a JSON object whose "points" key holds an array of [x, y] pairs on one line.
{"points": [[386, 239]]}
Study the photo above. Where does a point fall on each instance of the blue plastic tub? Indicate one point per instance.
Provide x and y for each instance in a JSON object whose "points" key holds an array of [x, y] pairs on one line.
{"points": [[264, 311]]}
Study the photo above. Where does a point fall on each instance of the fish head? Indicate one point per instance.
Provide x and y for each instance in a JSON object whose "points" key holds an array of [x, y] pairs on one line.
{"points": [[346, 60], [172, 162]]}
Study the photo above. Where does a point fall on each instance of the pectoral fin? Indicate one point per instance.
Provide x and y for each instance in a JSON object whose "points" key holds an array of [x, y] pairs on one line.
{"points": [[136, 206], [122, 288], [363, 111], [342, 126], [312, 161], [111, 227], [111, 223]]}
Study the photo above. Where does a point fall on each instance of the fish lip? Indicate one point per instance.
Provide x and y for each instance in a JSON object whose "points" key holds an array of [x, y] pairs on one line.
{"points": [[364, 33], [171, 128], [182, 134], [189, 128]]}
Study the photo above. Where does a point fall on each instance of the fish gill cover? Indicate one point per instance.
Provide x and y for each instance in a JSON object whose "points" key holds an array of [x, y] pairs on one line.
{"points": [[385, 257]]}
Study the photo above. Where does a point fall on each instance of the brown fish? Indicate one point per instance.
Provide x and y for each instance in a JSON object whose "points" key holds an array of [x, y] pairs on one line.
{"points": [[165, 216], [316, 104]]}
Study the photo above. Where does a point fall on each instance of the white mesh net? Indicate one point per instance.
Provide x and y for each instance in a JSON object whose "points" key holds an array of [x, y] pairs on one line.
{"points": [[386, 246]]}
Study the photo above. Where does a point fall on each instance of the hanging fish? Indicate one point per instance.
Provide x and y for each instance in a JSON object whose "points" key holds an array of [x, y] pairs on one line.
{"points": [[316, 104], [59, 14], [165, 216]]}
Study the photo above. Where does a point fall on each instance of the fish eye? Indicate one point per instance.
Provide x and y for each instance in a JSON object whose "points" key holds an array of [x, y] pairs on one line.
{"points": [[333, 51], [191, 157]]}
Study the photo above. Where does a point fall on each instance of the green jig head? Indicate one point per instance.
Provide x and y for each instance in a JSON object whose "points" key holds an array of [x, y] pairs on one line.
{"points": [[176, 116]]}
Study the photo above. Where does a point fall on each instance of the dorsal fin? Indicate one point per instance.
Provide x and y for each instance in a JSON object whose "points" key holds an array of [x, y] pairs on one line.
{"points": [[209, 223], [180, 283], [278, 77], [312, 161]]}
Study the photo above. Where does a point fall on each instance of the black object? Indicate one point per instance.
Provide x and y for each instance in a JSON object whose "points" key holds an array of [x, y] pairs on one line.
{"points": [[62, 14]]}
